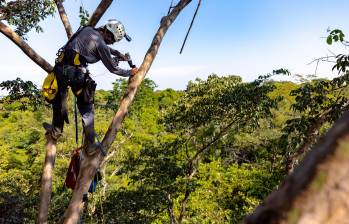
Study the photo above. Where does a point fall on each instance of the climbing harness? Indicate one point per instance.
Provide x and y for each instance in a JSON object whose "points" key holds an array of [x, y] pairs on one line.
{"points": [[50, 85]]}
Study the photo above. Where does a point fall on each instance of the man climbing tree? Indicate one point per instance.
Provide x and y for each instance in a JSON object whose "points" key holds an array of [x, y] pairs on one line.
{"points": [[88, 45]]}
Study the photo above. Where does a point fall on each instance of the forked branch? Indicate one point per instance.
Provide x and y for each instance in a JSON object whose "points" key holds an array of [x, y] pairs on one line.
{"points": [[90, 164]]}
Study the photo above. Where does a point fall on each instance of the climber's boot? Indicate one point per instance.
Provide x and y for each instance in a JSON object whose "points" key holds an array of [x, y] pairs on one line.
{"points": [[50, 131]]}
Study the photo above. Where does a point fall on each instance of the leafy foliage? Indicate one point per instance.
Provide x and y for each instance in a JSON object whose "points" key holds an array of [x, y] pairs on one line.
{"points": [[26, 14], [25, 93], [84, 16], [156, 152], [319, 103], [335, 35], [219, 99]]}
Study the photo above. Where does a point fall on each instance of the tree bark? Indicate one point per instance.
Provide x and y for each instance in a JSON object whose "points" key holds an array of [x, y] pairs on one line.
{"points": [[50, 157], [90, 164], [46, 180], [318, 190], [16, 39], [98, 13], [64, 18]]}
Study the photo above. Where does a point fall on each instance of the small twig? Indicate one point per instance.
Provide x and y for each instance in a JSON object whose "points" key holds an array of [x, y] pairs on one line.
{"points": [[333, 54], [170, 208], [324, 59], [171, 7], [184, 205]]}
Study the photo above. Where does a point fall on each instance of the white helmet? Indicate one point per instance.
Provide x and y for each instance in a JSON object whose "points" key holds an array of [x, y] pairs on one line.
{"points": [[117, 29]]}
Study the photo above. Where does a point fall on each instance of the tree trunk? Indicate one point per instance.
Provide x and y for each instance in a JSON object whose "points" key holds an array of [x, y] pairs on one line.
{"points": [[46, 180], [318, 190], [90, 165], [46, 184], [50, 157]]}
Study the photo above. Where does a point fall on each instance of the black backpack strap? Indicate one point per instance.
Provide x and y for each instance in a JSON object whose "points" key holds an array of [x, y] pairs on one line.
{"points": [[60, 52], [74, 35]]}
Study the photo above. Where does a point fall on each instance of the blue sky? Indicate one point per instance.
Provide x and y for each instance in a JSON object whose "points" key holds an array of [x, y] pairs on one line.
{"points": [[229, 37]]}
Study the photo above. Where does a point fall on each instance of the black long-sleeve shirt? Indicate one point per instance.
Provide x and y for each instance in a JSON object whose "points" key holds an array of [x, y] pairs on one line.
{"points": [[90, 44]]}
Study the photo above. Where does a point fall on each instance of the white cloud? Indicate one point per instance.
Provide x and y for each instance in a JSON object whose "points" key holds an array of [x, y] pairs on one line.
{"points": [[175, 70]]}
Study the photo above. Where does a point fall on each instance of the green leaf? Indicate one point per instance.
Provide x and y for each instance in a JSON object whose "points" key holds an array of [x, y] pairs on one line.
{"points": [[329, 40]]}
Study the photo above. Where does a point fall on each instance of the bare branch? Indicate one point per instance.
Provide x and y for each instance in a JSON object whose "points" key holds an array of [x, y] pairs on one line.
{"points": [[323, 59], [15, 38], [46, 182], [64, 18], [184, 205], [90, 164], [98, 13], [170, 208]]}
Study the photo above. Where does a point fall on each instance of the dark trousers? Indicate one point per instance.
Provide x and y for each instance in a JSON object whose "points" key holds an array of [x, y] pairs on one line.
{"points": [[84, 89]]}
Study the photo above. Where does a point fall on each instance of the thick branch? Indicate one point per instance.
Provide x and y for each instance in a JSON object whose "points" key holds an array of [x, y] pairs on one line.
{"points": [[50, 157], [64, 18], [309, 180], [98, 13], [90, 164], [9, 33], [46, 180]]}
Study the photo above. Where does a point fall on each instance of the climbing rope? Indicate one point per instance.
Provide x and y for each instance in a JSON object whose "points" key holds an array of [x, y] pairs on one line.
{"points": [[191, 24], [76, 122]]}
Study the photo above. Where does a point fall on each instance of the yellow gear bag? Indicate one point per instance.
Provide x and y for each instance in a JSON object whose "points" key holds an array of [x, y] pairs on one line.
{"points": [[50, 86]]}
